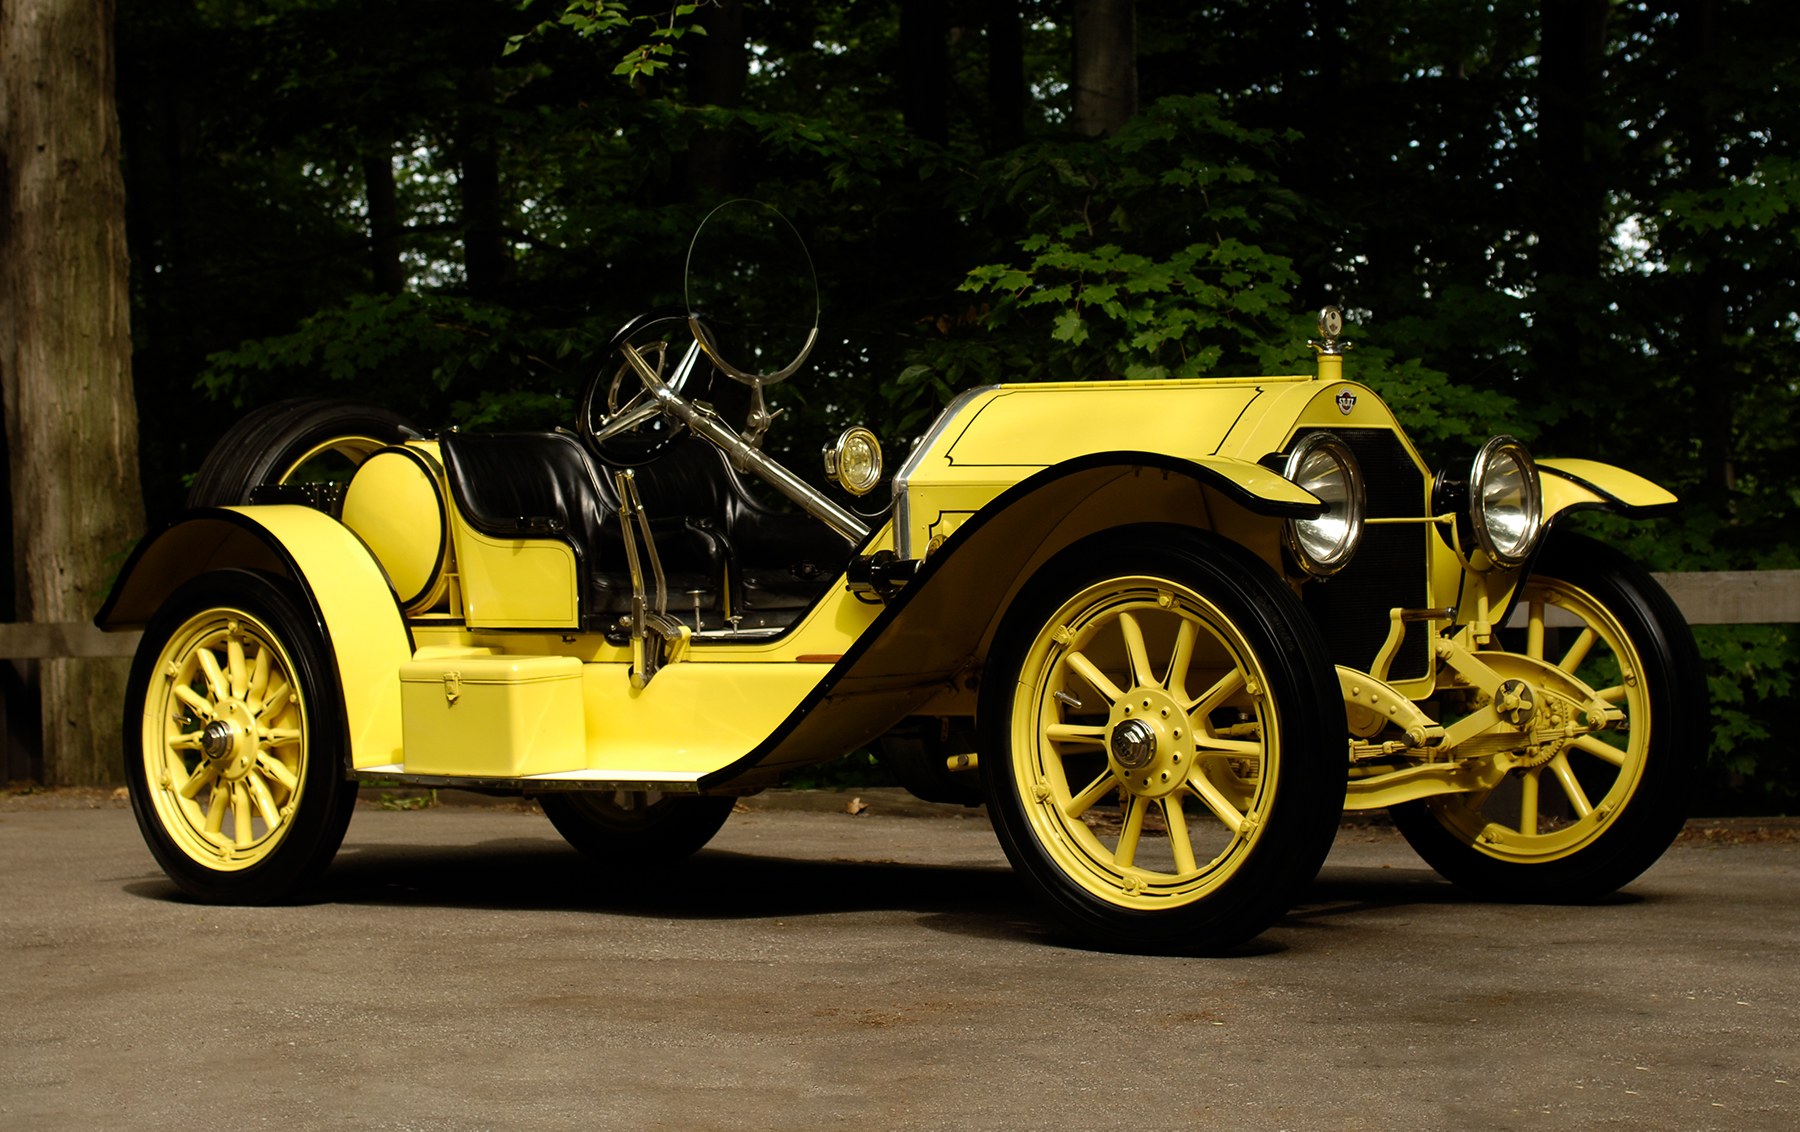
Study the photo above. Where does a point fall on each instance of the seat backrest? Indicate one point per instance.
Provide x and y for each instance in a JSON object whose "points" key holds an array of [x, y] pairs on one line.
{"points": [[778, 556], [689, 481], [529, 485]]}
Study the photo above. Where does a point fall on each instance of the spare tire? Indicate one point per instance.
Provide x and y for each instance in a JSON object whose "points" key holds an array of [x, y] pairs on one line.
{"points": [[301, 441]]}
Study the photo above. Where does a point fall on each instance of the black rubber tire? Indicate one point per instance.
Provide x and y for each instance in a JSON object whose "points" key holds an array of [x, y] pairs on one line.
{"points": [[265, 443], [314, 813], [1210, 907], [1674, 712], [634, 828]]}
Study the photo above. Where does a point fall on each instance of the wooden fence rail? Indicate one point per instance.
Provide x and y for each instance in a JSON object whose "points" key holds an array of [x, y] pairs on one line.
{"points": [[1736, 597], [1726, 597], [1761, 597]]}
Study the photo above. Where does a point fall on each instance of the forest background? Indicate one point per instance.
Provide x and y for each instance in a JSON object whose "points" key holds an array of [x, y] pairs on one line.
{"points": [[1576, 221]]}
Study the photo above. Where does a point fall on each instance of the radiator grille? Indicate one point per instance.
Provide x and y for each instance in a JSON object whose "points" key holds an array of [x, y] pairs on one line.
{"points": [[1390, 566]]}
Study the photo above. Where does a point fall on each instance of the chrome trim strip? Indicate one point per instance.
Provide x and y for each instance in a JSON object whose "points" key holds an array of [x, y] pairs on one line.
{"points": [[903, 505]]}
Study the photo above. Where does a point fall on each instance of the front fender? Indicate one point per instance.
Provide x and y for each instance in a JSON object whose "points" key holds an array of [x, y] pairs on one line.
{"points": [[355, 608], [928, 642], [1589, 485], [929, 508]]}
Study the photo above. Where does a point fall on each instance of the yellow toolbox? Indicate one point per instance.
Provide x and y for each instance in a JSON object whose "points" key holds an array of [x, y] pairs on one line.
{"points": [[480, 713]]}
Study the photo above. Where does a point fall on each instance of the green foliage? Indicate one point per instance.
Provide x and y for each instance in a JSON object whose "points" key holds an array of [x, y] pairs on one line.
{"points": [[591, 19], [1767, 194], [439, 358], [1750, 677], [1142, 260], [857, 770], [1424, 194]]}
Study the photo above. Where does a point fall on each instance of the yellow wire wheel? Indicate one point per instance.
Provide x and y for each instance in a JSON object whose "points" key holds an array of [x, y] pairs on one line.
{"points": [[1160, 758], [1138, 732], [1579, 817], [237, 785]]}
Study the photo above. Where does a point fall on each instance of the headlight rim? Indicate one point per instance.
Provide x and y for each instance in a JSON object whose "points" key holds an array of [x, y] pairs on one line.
{"points": [[1355, 503], [836, 466], [1480, 469]]}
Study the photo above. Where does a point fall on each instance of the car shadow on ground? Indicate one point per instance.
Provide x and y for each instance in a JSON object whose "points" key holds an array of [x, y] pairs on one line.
{"points": [[1349, 891], [975, 901], [713, 884]]}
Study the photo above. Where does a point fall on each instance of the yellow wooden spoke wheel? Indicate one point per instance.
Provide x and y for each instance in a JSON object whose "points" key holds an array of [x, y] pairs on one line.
{"points": [[223, 744], [233, 758], [1579, 817], [1157, 748]]}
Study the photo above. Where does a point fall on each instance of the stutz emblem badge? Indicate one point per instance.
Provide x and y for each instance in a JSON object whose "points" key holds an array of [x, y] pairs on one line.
{"points": [[1346, 401]]}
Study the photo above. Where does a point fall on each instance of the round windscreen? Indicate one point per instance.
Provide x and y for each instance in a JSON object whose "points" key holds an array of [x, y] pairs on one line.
{"points": [[752, 297]]}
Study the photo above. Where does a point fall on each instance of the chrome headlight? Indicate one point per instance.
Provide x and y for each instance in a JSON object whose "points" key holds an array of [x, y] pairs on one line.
{"points": [[1506, 503], [1324, 465]]}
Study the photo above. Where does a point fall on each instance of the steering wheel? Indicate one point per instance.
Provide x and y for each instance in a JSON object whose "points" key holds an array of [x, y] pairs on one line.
{"points": [[660, 374], [622, 419]]}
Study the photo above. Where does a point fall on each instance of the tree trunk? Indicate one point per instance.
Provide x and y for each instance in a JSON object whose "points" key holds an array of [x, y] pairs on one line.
{"points": [[1571, 201], [1697, 25], [1006, 75], [925, 69], [1105, 86], [1569, 197], [384, 220], [487, 256], [65, 356], [718, 65]]}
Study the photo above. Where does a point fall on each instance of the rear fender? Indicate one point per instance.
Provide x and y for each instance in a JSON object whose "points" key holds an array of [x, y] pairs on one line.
{"points": [[349, 596]]}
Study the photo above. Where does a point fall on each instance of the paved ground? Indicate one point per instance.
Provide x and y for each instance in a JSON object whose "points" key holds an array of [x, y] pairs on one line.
{"points": [[462, 969]]}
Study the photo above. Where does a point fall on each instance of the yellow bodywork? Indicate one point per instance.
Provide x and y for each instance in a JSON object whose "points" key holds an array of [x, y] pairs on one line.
{"points": [[396, 506], [993, 438], [472, 711], [463, 657], [1570, 484], [353, 600]]}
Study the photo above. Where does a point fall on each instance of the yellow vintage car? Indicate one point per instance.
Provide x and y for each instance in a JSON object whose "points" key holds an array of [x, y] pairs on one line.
{"points": [[1166, 630]]}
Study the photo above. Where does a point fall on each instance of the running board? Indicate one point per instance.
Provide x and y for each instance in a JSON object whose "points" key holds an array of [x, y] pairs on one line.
{"points": [[394, 774]]}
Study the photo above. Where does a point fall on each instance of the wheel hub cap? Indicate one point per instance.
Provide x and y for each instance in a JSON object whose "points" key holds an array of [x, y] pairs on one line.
{"points": [[230, 741], [1149, 742], [1134, 744], [218, 739]]}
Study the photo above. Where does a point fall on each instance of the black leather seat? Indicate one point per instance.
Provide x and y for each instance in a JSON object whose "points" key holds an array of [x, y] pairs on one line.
{"points": [[545, 485], [780, 560], [710, 531]]}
